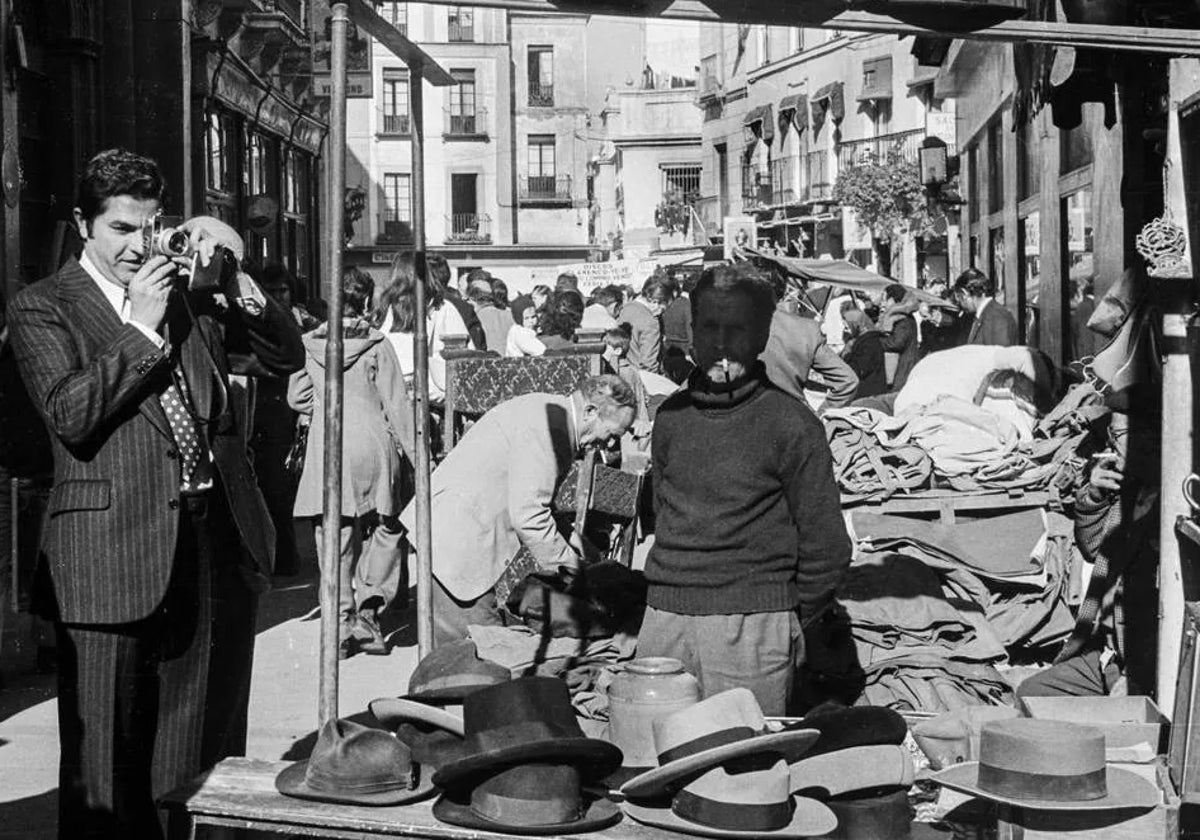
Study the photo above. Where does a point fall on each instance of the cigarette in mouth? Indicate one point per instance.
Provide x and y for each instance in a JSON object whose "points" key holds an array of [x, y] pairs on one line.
{"points": [[725, 367]]}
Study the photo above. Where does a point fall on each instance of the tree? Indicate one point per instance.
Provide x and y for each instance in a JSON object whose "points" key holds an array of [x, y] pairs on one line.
{"points": [[889, 200]]}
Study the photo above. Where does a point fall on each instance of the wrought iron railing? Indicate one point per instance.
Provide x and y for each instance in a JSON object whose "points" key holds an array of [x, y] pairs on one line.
{"points": [[784, 186], [540, 95], [395, 124], [468, 227], [532, 188], [470, 124], [902, 145], [818, 184]]}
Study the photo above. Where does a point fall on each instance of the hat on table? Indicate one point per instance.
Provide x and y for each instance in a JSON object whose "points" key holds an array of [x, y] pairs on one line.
{"points": [[434, 735], [451, 672], [852, 770], [1047, 765], [854, 726], [875, 815], [726, 726], [745, 797], [355, 765], [524, 762]]}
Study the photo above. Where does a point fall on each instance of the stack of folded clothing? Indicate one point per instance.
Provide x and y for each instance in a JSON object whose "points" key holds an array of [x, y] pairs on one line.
{"points": [[863, 465], [919, 649]]}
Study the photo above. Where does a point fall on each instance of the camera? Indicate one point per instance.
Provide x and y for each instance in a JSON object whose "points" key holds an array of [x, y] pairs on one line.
{"points": [[161, 236]]}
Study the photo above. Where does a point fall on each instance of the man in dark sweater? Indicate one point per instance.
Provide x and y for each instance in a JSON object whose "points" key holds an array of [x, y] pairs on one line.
{"points": [[749, 540]]}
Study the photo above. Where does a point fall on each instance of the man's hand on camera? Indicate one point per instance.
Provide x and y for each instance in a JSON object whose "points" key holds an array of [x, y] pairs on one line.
{"points": [[207, 232], [149, 290]]}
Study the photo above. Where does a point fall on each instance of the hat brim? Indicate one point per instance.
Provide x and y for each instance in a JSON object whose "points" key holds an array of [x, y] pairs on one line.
{"points": [[809, 819], [594, 758], [393, 711], [790, 745], [291, 782], [1126, 789], [454, 807]]}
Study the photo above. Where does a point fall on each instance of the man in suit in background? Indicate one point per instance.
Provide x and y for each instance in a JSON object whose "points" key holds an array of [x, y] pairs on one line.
{"points": [[492, 495], [157, 540], [975, 293]]}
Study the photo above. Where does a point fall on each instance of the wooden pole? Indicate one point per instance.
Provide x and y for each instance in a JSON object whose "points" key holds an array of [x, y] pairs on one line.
{"points": [[421, 375], [331, 539]]}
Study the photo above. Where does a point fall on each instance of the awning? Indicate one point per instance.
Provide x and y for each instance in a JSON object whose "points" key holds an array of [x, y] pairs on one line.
{"points": [[830, 100], [794, 108], [922, 75], [761, 121], [876, 79], [842, 274]]}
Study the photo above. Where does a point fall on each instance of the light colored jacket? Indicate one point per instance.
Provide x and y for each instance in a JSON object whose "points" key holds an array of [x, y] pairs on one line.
{"points": [[492, 494]]}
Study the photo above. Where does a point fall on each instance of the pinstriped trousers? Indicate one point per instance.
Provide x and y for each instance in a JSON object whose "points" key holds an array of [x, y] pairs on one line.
{"points": [[144, 707]]}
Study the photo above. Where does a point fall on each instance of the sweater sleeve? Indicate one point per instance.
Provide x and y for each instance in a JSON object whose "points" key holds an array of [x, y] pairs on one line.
{"points": [[823, 547]]}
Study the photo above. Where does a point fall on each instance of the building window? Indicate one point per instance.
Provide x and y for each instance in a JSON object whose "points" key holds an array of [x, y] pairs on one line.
{"points": [[995, 141], [259, 177], [1029, 161], [1075, 148], [1029, 266], [542, 182], [541, 76], [462, 103], [881, 121], [396, 14], [681, 181], [297, 202], [397, 197], [220, 140], [460, 23], [973, 203], [996, 262], [395, 102], [218, 162]]}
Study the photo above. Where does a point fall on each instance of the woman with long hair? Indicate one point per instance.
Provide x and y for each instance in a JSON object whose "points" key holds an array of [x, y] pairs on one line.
{"points": [[376, 467], [559, 320], [395, 315]]}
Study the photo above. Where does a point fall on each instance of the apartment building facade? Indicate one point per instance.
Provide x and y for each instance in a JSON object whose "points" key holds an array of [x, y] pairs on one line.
{"points": [[785, 110]]}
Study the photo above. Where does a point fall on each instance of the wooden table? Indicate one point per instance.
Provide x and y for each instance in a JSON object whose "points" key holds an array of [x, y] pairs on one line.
{"points": [[240, 793], [946, 503]]}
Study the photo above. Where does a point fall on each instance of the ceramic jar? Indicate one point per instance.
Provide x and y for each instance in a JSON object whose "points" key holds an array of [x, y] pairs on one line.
{"points": [[646, 690]]}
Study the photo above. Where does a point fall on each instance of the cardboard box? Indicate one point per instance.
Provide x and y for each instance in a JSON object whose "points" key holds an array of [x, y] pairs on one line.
{"points": [[1125, 721]]}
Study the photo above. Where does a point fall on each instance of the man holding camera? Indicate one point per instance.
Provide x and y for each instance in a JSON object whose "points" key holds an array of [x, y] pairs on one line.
{"points": [[156, 540]]}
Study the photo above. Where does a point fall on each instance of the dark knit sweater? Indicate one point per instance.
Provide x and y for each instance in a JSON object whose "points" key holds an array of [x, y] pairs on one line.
{"points": [[748, 518]]}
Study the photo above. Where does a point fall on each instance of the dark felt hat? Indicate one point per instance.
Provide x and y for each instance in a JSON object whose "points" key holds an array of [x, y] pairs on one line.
{"points": [[855, 726], [356, 765], [747, 797], [451, 672], [883, 814], [526, 720], [1047, 765], [721, 728], [535, 799]]}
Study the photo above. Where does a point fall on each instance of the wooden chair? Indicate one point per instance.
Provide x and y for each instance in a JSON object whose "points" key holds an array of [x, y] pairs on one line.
{"points": [[477, 382], [593, 487]]}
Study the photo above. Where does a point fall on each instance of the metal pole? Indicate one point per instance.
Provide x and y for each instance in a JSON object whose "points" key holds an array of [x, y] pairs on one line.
{"points": [[331, 539], [421, 377]]}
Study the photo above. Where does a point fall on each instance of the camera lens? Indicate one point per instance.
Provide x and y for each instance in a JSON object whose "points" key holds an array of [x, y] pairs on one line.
{"points": [[175, 243]]}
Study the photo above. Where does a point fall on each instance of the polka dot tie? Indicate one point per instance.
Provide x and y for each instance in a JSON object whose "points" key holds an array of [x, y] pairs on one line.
{"points": [[187, 441]]}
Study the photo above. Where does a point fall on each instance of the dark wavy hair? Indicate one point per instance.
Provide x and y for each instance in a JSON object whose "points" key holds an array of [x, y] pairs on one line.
{"points": [[562, 314], [357, 288], [399, 294], [116, 172]]}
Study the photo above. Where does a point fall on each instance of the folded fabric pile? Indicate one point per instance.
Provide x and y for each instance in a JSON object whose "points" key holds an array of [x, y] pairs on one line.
{"points": [[954, 442]]}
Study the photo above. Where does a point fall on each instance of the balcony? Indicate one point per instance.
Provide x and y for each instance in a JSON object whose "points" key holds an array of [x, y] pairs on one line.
{"points": [[468, 227], [471, 125], [395, 125], [541, 96], [783, 180], [464, 31], [901, 145], [544, 189], [393, 231], [816, 170], [756, 186]]}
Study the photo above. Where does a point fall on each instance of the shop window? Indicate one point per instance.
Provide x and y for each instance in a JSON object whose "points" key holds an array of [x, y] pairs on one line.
{"points": [[1080, 243], [297, 213], [996, 262], [1029, 161], [1029, 266], [221, 145], [995, 152], [260, 178], [1075, 148]]}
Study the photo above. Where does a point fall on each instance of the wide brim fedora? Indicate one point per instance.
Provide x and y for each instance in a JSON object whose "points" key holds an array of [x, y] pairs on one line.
{"points": [[454, 807], [393, 711], [789, 745], [809, 819], [1126, 789], [292, 781], [594, 758]]}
